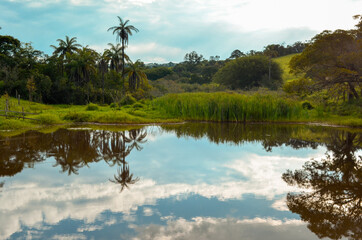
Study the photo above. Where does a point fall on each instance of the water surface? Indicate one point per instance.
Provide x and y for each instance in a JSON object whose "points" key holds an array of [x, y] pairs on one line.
{"points": [[189, 181]]}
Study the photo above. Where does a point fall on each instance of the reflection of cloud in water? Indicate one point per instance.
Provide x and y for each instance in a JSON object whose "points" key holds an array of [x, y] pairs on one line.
{"points": [[31, 204], [219, 228], [69, 237]]}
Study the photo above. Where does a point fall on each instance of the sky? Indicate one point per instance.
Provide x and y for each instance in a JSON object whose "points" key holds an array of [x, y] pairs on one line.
{"points": [[168, 29]]}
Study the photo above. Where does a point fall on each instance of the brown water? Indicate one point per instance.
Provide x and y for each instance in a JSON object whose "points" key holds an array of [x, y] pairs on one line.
{"points": [[190, 181]]}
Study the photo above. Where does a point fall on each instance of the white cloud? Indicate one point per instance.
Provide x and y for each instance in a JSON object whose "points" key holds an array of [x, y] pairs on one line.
{"points": [[69, 237], [280, 205], [32, 204], [202, 228], [155, 51]]}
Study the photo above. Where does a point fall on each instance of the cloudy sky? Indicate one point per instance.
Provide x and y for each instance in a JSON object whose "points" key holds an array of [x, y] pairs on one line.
{"points": [[171, 28]]}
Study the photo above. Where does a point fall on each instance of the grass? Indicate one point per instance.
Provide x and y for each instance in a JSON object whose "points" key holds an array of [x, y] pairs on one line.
{"points": [[221, 107], [284, 64], [230, 107]]}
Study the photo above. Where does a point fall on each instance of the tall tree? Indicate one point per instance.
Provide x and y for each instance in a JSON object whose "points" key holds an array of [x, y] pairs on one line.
{"points": [[249, 72], [117, 56], [122, 31], [102, 65], [136, 76], [333, 61], [68, 46]]}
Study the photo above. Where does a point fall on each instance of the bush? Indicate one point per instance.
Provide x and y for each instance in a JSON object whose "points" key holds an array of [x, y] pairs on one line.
{"points": [[128, 99], [307, 105], [92, 107], [138, 105], [113, 105], [77, 117], [47, 119]]}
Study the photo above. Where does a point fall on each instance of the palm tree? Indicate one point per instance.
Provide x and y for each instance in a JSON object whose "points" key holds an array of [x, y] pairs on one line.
{"points": [[123, 30], [82, 65], [68, 46], [102, 64], [136, 77], [116, 53]]}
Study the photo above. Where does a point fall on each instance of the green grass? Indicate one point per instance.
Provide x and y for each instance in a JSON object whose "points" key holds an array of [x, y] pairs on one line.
{"points": [[230, 107], [221, 107], [284, 64]]}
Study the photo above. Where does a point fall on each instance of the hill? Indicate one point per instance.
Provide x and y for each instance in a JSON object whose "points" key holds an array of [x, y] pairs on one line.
{"points": [[284, 64]]}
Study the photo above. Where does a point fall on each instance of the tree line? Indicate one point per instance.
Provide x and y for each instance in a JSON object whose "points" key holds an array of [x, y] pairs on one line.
{"points": [[73, 73], [76, 74]]}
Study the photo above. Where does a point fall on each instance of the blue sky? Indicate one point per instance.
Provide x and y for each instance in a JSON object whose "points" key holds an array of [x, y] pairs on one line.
{"points": [[171, 28]]}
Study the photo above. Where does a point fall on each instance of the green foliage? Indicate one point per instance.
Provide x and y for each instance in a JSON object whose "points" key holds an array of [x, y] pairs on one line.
{"points": [[92, 107], [77, 117], [48, 119], [300, 87], [157, 72], [113, 105], [307, 105], [128, 99], [138, 105], [333, 61], [249, 72], [229, 107]]}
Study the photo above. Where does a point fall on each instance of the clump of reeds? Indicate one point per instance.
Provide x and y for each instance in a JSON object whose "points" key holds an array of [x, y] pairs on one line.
{"points": [[229, 107]]}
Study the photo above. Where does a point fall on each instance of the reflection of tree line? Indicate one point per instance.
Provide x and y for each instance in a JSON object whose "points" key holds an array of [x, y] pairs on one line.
{"points": [[71, 150], [270, 135], [332, 208], [333, 205]]}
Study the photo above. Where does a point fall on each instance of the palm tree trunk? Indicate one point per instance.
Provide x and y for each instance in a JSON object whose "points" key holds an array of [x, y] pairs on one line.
{"points": [[123, 89], [102, 87]]}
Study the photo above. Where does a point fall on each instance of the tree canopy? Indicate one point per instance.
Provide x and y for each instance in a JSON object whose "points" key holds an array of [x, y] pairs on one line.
{"points": [[333, 61], [249, 72]]}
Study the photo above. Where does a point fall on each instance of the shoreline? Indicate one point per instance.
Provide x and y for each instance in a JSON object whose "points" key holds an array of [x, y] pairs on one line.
{"points": [[54, 127]]}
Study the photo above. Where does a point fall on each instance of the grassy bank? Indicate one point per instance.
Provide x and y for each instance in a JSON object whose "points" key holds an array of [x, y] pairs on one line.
{"points": [[256, 107], [231, 107]]}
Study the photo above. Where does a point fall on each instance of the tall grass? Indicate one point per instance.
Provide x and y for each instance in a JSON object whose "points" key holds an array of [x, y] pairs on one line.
{"points": [[229, 107]]}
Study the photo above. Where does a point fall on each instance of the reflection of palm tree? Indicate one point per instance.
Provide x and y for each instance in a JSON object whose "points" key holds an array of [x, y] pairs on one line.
{"points": [[74, 149], [117, 150], [69, 165], [124, 177], [136, 137], [334, 208]]}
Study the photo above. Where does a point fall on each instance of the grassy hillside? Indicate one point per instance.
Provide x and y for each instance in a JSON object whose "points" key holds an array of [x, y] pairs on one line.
{"points": [[284, 64]]}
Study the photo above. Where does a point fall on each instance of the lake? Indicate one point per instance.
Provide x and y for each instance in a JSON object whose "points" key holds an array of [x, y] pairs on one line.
{"points": [[184, 181]]}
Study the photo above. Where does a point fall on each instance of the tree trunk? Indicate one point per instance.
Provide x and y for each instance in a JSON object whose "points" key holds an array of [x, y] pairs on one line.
{"points": [[269, 69], [123, 89], [353, 91], [102, 87]]}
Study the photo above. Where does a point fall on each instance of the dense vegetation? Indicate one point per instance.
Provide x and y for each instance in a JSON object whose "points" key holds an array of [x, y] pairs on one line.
{"points": [[324, 83]]}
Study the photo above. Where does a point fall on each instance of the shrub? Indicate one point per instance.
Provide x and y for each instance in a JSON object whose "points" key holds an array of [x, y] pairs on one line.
{"points": [[307, 105], [77, 117], [48, 119], [138, 105], [113, 105], [128, 99], [92, 107]]}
